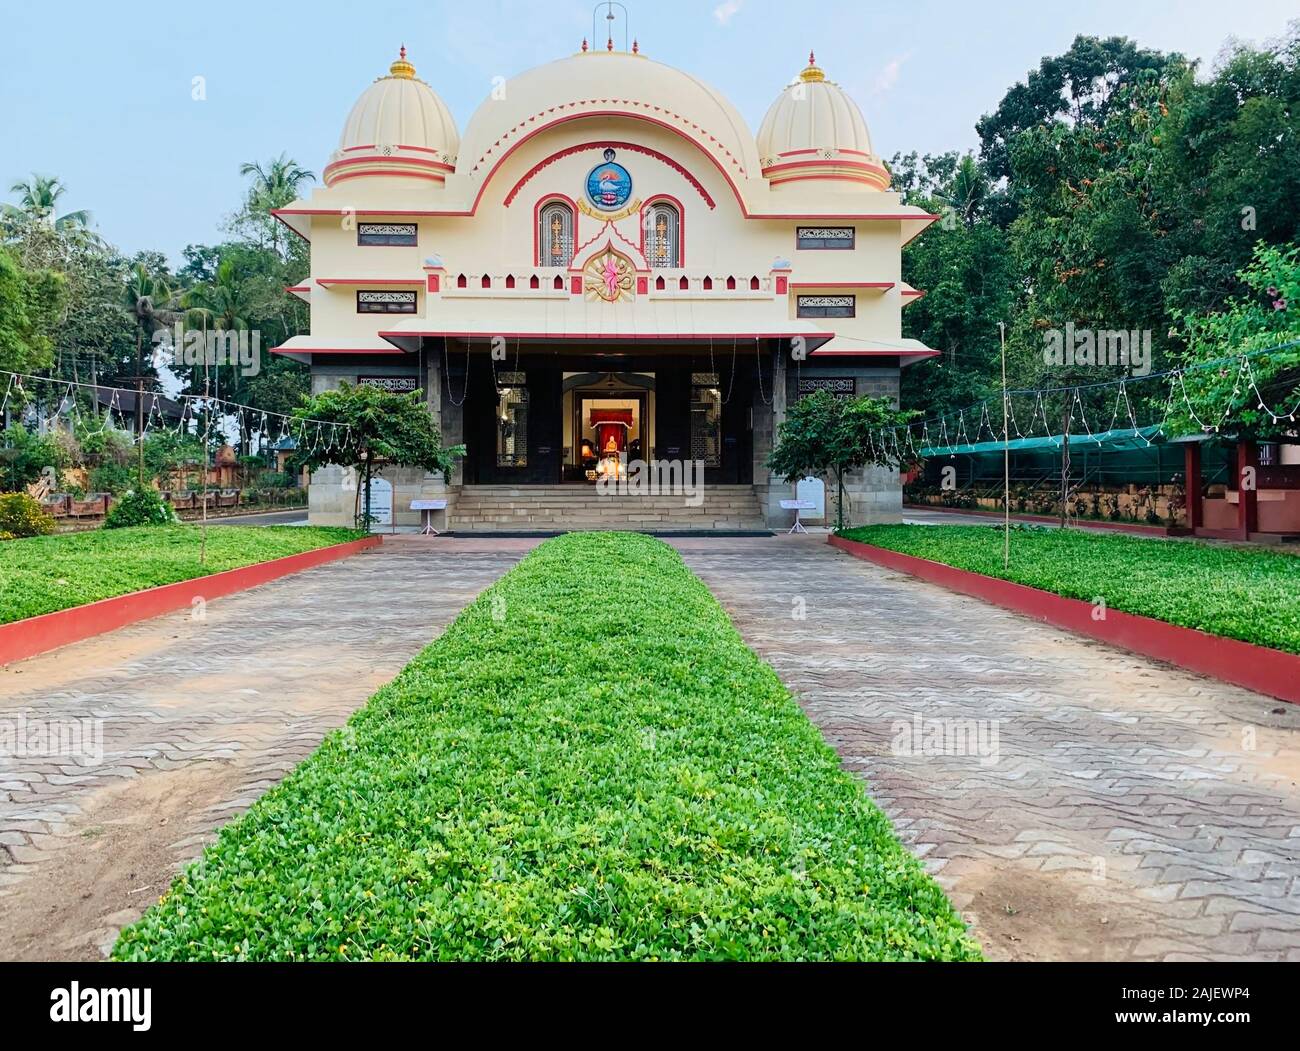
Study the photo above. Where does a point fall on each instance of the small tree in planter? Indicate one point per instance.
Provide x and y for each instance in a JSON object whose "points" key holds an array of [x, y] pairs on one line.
{"points": [[823, 434], [374, 428]]}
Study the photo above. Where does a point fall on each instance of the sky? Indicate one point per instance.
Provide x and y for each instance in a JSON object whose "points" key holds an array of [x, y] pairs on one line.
{"points": [[102, 95]]}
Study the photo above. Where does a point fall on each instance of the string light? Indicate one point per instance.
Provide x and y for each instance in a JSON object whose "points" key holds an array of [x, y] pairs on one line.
{"points": [[155, 419], [1072, 398]]}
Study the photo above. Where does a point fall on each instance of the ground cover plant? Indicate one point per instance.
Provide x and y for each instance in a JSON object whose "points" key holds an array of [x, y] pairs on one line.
{"points": [[1241, 593], [47, 573], [589, 764]]}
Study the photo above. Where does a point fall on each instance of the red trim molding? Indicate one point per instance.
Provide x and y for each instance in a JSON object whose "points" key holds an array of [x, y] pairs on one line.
{"points": [[648, 337], [880, 352], [290, 351], [27, 638], [326, 282], [1242, 663], [884, 286], [632, 147]]}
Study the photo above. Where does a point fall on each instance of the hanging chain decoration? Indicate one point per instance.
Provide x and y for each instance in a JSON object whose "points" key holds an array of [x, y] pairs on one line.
{"points": [[446, 365], [758, 364], [731, 385], [954, 428], [154, 416]]}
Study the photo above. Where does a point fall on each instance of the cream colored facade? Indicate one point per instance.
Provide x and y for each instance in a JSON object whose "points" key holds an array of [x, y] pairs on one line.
{"points": [[605, 215]]}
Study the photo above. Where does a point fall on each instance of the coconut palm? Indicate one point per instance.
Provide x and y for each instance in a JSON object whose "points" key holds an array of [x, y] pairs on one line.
{"points": [[969, 188], [38, 198], [150, 302], [224, 303], [274, 185]]}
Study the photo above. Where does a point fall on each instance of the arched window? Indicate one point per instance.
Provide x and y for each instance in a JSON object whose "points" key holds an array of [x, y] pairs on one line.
{"points": [[555, 234], [663, 235]]}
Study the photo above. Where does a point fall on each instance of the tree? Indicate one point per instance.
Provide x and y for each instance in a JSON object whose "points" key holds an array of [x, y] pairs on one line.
{"points": [[374, 429], [274, 185], [1229, 169], [1254, 399], [222, 303], [1078, 89], [965, 266], [30, 303], [1089, 237], [823, 434], [38, 197], [150, 301], [91, 337]]}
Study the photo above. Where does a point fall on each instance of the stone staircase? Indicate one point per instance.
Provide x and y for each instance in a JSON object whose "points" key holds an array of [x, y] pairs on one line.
{"points": [[558, 508]]}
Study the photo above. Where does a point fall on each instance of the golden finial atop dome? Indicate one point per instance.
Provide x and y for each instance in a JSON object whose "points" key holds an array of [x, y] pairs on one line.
{"points": [[812, 72], [402, 68]]}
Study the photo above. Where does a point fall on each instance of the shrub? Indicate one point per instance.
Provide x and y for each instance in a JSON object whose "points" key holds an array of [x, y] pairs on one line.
{"points": [[140, 507], [25, 456], [111, 478], [21, 515], [276, 480]]}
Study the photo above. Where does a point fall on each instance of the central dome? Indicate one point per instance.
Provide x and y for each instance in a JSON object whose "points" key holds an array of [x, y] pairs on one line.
{"points": [[609, 82]]}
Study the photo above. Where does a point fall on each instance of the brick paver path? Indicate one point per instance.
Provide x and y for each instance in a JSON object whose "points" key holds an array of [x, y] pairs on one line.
{"points": [[1132, 811], [200, 717]]}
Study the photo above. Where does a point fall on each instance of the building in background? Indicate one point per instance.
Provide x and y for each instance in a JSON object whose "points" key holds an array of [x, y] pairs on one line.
{"points": [[607, 264]]}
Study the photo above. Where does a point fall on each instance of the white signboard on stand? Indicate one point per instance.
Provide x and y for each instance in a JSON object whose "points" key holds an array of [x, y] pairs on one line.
{"points": [[381, 501], [812, 492]]}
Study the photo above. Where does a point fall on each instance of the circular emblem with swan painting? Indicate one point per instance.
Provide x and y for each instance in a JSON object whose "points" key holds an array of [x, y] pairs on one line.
{"points": [[608, 184]]}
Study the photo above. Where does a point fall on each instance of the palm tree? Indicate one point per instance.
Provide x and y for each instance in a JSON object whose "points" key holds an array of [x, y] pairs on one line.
{"points": [[274, 186], [223, 303], [38, 198], [969, 188], [278, 182], [150, 302]]}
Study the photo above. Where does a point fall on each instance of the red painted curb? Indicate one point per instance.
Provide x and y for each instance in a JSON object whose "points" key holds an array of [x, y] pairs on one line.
{"points": [[1020, 516], [1242, 663], [27, 638]]}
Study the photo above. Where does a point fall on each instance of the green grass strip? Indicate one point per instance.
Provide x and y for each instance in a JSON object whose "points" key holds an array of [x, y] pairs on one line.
{"points": [[590, 764], [1250, 594], [47, 573]]}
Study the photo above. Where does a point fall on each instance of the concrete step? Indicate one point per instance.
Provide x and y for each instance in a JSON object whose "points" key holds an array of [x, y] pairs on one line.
{"points": [[503, 508]]}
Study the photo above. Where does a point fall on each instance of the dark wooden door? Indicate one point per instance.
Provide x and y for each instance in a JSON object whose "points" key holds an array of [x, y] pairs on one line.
{"points": [[542, 426]]}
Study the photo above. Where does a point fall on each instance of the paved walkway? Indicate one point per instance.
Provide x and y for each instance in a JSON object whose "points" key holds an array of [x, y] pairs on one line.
{"points": [[1124, 810], [199, 718], [1102, 806]]}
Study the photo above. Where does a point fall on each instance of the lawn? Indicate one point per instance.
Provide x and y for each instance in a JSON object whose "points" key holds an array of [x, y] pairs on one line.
{"points": [[588, 765], [47, 573], [1250, 594]]}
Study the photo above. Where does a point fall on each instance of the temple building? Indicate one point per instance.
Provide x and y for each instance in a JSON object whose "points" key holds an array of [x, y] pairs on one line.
{"points": [[607, 266]]}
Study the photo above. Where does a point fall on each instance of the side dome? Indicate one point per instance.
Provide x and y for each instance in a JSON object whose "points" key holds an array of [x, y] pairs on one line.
{"points": [[814, 130], [608, 83], [398, 127]]}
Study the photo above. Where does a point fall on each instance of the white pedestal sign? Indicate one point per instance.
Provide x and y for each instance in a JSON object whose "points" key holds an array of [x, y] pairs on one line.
{"points": [[381, 501], [812, 491]]}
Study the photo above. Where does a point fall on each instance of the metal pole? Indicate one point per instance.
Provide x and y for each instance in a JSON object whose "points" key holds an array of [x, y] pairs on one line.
{"points": [[139, 403], [207, 438], [1006, 456], [1067, 417]]}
